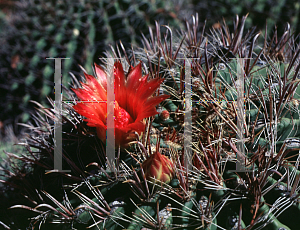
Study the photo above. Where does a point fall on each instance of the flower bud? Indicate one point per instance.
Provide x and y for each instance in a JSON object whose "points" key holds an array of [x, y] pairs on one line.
{"points": [[158, 166], [164, 115]]}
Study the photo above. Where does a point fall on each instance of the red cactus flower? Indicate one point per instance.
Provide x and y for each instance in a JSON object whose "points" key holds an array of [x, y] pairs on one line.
{"points": [[133, 101], [158, 166]]}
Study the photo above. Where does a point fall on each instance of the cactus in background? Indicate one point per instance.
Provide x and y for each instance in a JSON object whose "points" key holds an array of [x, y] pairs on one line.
{"points": [[149, 186], [260, 12], [80, 30]]}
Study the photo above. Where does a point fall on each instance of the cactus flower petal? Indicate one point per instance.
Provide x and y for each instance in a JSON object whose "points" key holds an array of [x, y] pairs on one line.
{"points": [[133, 101]]}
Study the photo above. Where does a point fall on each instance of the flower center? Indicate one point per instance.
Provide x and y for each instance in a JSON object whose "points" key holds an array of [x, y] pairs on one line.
{"points": [[122, 117]]}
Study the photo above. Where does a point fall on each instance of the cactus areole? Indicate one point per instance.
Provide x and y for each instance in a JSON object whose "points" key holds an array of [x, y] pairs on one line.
{"points": [[133, 101]]}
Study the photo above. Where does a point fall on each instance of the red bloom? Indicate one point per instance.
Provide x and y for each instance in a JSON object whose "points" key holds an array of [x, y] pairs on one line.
{"points": [[159, 167], [133, 101]]}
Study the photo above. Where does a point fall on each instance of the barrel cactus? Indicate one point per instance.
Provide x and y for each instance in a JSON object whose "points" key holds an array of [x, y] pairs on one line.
{"points": [[156, 180]]}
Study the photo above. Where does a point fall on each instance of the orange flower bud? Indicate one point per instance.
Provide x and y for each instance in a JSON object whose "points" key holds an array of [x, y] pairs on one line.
{"points": [[164, 115], [158, 166]]}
